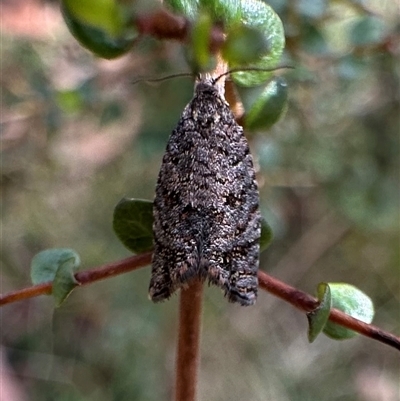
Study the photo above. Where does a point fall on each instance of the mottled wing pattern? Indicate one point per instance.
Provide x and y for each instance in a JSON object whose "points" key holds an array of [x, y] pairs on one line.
{"points": [[207, 222]]}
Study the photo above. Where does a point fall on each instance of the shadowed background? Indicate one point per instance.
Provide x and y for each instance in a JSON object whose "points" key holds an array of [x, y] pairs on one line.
{"points": [[76, 137]]}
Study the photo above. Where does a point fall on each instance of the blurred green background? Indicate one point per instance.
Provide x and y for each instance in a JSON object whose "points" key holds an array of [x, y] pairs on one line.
{"points": [[77, 136]]}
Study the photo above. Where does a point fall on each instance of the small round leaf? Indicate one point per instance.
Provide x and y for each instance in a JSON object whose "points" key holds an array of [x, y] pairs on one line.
{"points": [[352, 301], [264, 105], [244, 45], [64, 281], [106, 15], [133, 224], [45, 264], [260, 16], [318, 318], [98, 40]]}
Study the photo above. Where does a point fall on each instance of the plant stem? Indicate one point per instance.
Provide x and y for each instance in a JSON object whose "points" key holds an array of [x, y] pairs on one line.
{"points": [[165, 25], [83, 277], [187, 362], [297, 298], [307, 303]]}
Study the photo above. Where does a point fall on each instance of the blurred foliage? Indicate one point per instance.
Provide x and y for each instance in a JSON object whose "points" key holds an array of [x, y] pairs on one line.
{"points": [[254, 35], [77, 137], [197, 51], [228, 11], [108, 37]]}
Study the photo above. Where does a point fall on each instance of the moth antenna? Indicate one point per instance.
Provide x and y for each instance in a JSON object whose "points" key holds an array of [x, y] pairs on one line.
{"points": [[180, 74], [240, 69]]}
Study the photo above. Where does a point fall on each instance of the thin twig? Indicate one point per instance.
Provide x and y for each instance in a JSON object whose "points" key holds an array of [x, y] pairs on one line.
{"points": [[307, 303], [83, 277], [162, 24], [165, 25], [187, 363], [284, 291]]}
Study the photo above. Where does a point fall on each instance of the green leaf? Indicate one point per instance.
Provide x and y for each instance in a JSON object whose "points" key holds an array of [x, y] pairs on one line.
{"points": [[264, 105], [260, 23], [318, 318], [244, 45], [225, 11], [352, 301], [45, 264], [198, 54], [266, 235], [188, 8], [260, 16], [368, 30], [98, 40], [57, 266], [133, 224], [105, 15], [64, 281]]}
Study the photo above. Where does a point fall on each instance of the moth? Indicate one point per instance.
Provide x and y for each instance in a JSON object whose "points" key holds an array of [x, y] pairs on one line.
{"points": [[207, 223]]}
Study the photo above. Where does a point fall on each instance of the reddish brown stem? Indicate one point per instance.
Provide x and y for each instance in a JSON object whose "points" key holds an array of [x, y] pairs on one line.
{"points": [[83, 277], [164, 25], [307, 303], [187, 363], [289, 294], [25, 293], [113, 269]]}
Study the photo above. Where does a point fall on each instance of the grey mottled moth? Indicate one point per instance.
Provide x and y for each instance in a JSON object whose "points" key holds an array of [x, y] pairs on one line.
{"points": [[207, 223]]}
